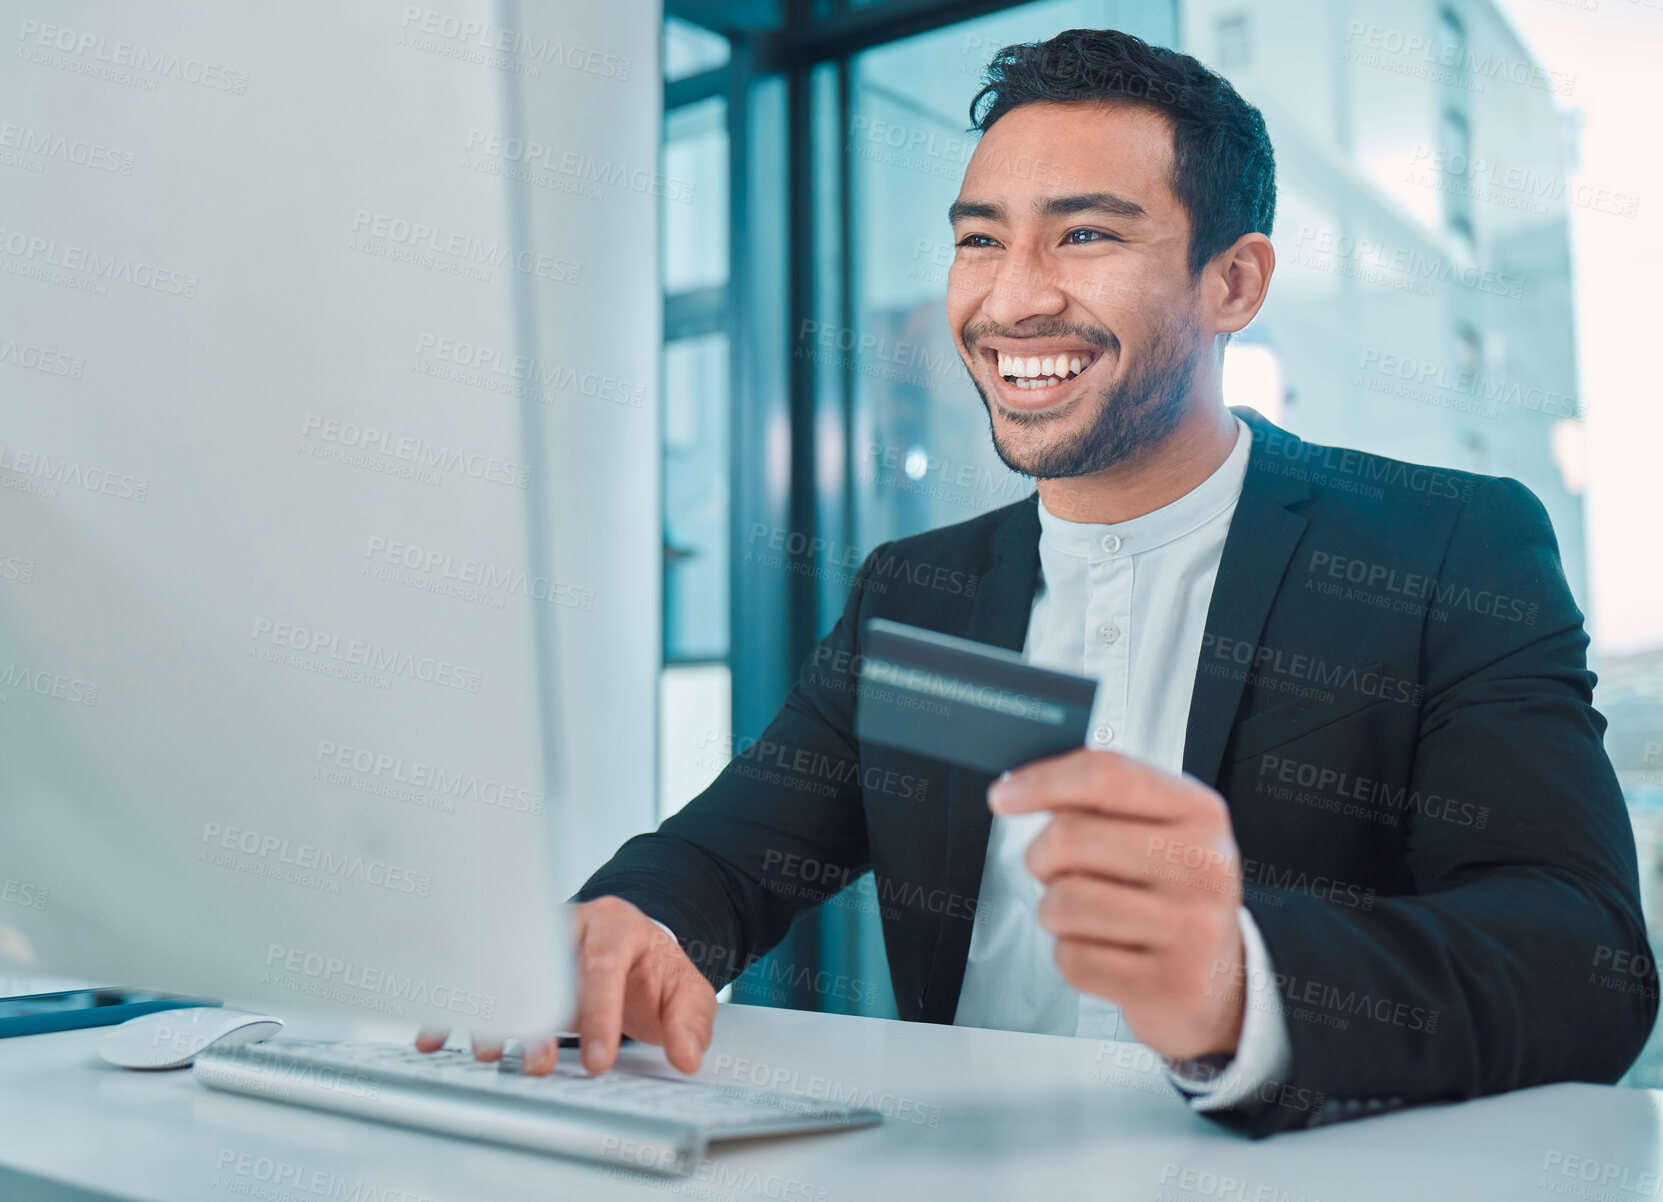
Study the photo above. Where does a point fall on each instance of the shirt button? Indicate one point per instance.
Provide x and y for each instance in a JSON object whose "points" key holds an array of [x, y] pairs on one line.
{"points": [[1110, 633], [1103, 735], [1111, 543]]}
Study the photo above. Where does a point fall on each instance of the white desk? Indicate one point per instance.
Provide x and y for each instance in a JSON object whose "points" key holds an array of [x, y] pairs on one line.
{"points": [[977, 1114]]}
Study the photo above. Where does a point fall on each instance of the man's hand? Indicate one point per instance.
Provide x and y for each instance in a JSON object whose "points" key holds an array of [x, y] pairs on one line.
{"points": [[1142, 881], [633, 979]]}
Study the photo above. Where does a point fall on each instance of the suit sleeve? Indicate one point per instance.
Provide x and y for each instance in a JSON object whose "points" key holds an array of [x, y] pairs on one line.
{"points": [[1521, 957], [730, 871]]}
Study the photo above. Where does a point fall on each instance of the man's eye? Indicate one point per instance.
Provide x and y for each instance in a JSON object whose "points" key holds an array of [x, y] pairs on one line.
{"points": [[1078, 237], [976, 240]]}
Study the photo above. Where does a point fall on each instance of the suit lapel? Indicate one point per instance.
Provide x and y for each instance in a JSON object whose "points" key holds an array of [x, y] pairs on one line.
{"points": [[999, 615], [1262, 538]]}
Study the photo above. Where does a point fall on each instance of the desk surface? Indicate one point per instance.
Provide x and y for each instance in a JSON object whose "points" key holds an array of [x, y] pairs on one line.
{"points": [[974, 1114]]}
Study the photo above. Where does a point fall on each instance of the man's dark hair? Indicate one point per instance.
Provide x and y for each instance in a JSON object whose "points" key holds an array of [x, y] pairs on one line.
{"points": [[1224, 172]]}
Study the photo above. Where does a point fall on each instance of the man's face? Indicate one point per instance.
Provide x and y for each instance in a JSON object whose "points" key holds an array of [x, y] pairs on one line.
{"points": [[1070, 295]]}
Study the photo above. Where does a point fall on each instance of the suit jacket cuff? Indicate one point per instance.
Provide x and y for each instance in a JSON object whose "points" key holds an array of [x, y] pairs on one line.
{"points": [[1264, 1054]]}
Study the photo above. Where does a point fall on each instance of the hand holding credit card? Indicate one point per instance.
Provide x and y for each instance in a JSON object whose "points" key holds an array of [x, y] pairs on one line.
{"points": [[965, 702]]}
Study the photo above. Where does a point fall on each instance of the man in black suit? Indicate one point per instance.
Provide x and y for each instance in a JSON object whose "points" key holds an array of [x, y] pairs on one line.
{"points": [[1395, 823]]}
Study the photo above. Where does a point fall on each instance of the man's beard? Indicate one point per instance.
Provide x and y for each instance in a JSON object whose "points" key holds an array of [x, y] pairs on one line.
{"points": [[1134, 414]]}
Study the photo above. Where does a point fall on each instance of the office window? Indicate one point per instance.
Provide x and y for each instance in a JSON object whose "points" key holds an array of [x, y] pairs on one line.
{"points": [[691, 50], [696, 498], [1452, 41], [694, 206], [1394, 113], [1234, 45], [696, 731], [696, 266], [1469, 350], [695, 683], [1458, 175]]}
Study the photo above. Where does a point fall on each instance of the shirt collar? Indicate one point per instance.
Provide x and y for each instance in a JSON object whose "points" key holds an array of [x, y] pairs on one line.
{"points": [[1108, 540]]}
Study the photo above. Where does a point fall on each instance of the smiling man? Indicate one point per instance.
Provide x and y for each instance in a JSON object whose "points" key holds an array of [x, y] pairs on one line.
{"points": [[1074, 305], [1343, 835]]}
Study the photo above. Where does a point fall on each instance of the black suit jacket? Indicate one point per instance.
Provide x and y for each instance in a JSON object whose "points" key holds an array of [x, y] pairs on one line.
{"points": [[1392, 696]]}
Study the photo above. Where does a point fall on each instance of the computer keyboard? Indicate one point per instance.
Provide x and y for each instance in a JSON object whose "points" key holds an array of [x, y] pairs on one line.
{"points": [[655, 1124]]}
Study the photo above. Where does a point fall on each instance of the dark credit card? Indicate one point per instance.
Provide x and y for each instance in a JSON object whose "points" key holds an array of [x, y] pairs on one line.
{"points": [[965, 702]]}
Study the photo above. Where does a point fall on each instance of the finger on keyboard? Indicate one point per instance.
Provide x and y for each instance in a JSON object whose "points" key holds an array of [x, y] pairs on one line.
{"points": [[611, 942], [687, 1014], [539, 1056], [431, 1039], [487, 1048]]}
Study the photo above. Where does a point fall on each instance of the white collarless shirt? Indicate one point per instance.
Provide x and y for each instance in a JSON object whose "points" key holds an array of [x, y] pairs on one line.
{"points": [[1126, 604]]}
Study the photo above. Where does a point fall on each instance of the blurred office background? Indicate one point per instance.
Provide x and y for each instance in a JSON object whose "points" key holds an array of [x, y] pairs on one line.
{"points": [[1454, 286]]}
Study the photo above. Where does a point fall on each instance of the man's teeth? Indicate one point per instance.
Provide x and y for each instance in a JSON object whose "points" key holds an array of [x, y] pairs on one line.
{"points": [[1042, 371]]}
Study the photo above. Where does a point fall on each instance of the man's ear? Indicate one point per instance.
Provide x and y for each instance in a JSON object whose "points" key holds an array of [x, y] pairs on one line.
{"points": [[1237, 281]]}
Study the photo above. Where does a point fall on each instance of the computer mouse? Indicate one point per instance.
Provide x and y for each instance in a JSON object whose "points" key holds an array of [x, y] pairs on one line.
{"points": [[172, 1038]]}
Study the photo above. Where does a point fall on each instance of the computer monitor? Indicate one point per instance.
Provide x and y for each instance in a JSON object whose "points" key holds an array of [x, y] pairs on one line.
{"points": [[330, 525], [311, 774]]}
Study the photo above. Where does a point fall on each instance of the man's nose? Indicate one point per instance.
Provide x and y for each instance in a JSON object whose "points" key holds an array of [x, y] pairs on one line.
{"points": [[1024, 287]]}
